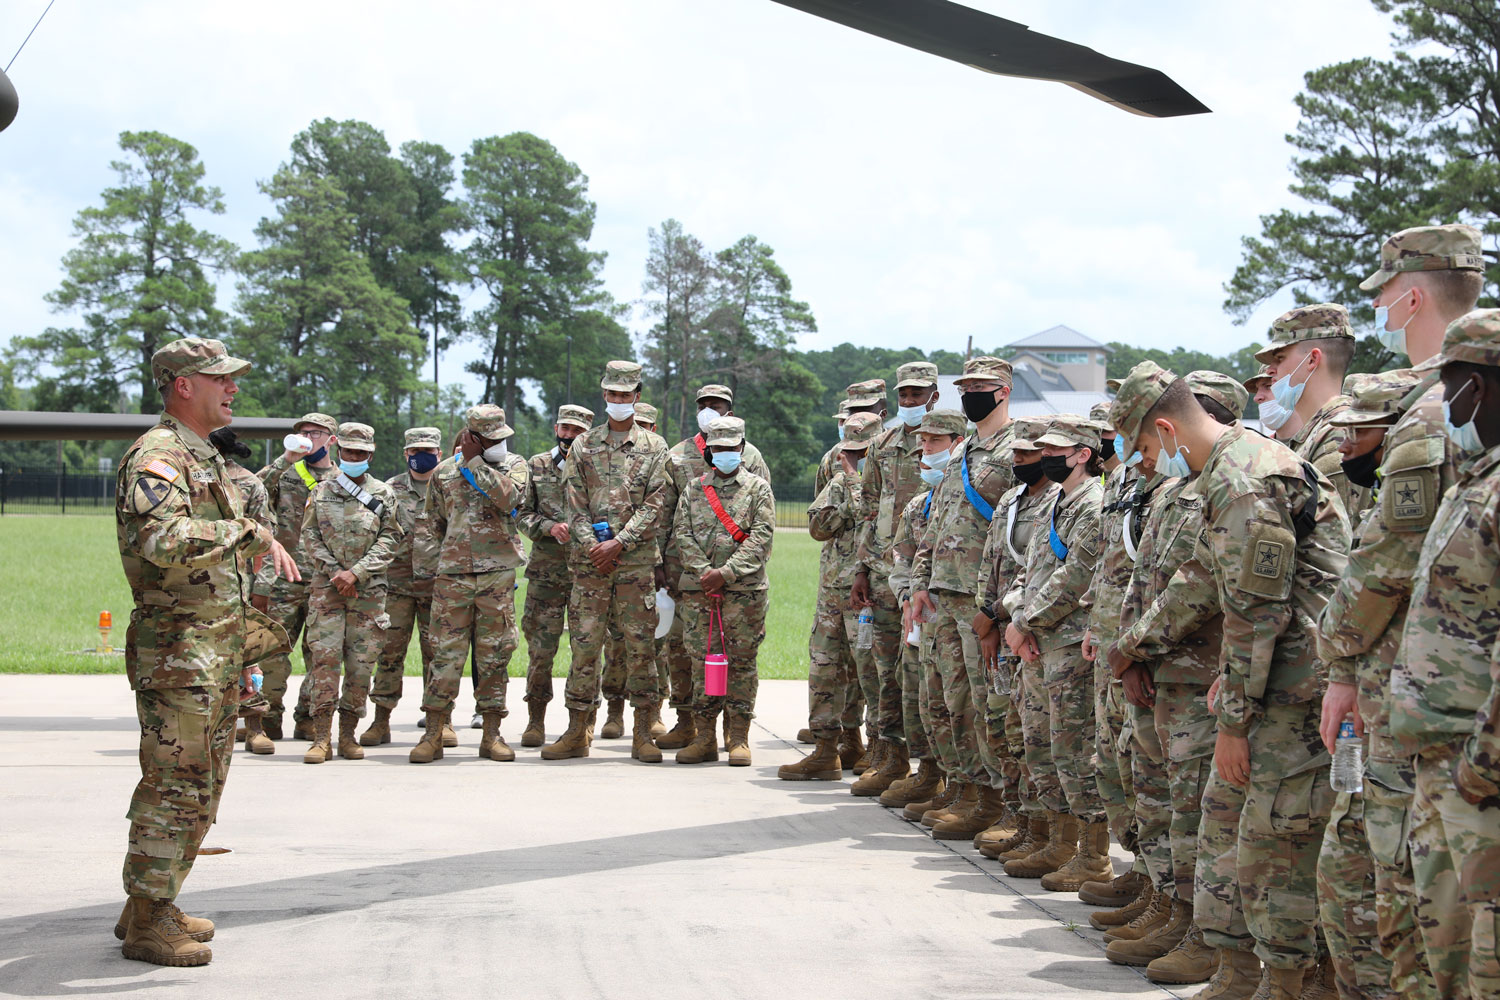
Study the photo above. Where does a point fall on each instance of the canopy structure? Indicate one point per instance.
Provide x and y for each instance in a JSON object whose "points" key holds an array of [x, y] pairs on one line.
{"points": [[40, 425]]}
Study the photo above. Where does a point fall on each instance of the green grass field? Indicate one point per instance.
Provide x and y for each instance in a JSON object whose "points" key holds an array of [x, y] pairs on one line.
{"points": [[58, 572]]}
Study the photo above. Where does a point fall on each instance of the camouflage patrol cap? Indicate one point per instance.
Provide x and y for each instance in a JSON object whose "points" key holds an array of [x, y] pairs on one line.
{"points": [[194, 356], [922, 374], [423, 437], [1325, 321], [1138, 393], [645, 413], [1252, 383], [621, 376], [1220, 388], [1069, 430], [1113, 384], [870, 392], [1376, 398], [943, 422], [575, 416], [488, 421], [1427, 248], [843, 413], [860, 430], [322, 420], [1027, 431], [985, 369], [715, 391], [725, 432], [1473, 337], [356, 437], [1099, 414]]}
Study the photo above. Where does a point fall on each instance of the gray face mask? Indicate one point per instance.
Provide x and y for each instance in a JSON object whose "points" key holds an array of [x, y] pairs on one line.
{"points": [[496, 452]]}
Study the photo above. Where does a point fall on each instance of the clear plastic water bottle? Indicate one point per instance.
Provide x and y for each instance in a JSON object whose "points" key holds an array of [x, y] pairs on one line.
{"points": [[864, 636], [1000, 680], [1348, 771]]}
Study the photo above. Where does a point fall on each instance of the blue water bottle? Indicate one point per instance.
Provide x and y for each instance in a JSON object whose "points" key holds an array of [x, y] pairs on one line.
{"points": [[602, 531]]}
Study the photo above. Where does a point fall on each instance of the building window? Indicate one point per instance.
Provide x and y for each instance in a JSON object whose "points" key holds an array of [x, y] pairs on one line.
{"points": [[1066, 357]]}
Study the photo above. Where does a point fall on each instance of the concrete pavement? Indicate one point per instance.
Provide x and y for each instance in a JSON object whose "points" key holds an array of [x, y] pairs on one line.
{"points": [[575, 879]]}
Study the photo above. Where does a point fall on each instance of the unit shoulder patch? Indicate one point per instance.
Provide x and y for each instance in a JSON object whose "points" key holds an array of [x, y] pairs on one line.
{"points": [[1407, 499], [1268, 556], [147, 494]]}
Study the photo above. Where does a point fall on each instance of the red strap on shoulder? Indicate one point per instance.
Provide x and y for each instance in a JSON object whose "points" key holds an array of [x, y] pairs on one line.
{"points": [[700, 443], [735, 531]]}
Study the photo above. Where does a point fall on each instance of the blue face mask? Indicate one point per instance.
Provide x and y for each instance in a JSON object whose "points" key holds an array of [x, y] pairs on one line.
{"points": [[422, 461], [1175, 466], [726, 461], [911, 416], [1391, 340], [931, 476], [1286, 394], [354, 469], [860, 466], [1134, 459], [1466, 436], [841, 432], [315, 456], [938, 460]]}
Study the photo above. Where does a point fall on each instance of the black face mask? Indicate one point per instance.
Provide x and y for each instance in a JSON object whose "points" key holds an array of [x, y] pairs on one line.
{"points": [[978, 405], [1030, 474], [1056, 468], [1106, 449], [564, 444], [1361, 470]]}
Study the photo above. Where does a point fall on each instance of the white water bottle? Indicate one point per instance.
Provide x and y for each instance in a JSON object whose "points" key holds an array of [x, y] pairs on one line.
{"points": [[864, 636], [1348, 771]]}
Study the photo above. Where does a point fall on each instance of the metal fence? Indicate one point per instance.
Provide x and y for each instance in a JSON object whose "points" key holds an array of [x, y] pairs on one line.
{"points": [[791, 504], [62, 492]]}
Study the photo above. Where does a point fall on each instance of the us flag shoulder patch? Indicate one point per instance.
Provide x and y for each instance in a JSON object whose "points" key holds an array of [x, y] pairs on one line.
{"points": [[161, 469]]}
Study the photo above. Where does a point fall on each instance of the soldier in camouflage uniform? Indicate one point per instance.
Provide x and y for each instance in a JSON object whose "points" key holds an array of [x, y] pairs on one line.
{"points": [[409, 578], [616, 478], [1276, 540], [289, 481], [1315, 344], [943, 584], [1443, 703], [834, 518], [471, 506], [544, 519], [723, 529], [349, 535], [185, 546]]}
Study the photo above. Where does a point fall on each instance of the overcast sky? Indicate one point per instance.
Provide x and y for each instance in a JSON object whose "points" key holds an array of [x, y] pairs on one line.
{"points": [[911, 200]]}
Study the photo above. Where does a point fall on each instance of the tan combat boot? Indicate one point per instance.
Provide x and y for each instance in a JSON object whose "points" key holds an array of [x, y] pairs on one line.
{"points": [[535, 733], [450, 738], [1118, 891], [304, 729], [349, 747], [1147, 921], [322, 744], [806, 736], [1005, 827], [851, 748], [705, 745], [1108, 920], [614, 720], [1032, 839], [1321, 983], [256, 740], [679, 735], [963, 798], [874, 757], [430, 747], [1192, 961], [154, 935], [953, 787], [1236, 978], [1090, 863], [272, 728], [920, 787], [197, 928], [239, 733], [1279, 984], [1166, 936], [658, 728], [988, 805], [823, 764], [491, 743], [894, 766], [739, 741], [642, 748], [574, 742], [379, 732], [1062, 842]]}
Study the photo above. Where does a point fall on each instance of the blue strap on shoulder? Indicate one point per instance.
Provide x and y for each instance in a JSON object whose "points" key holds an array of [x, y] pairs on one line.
{"points": [[1053, 539], [986, 510], [464, 471], [927, 507]]}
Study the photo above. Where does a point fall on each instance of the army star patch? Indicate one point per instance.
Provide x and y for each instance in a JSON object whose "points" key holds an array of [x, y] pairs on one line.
{"points": [[148, 494], [1408, 498], [1268, 556]]}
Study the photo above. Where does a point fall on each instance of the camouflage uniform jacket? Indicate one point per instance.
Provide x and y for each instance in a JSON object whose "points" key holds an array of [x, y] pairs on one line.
{"points": [[1272, 587], [948, 558], [416, 536], [340, 533], [685, 463], [288, 496], [1365, 617], [909, 528], [1443, 686], [1106, 591], [1170, 618], [706, 544], [253, 491], [891, 479], [543, 508], [834, 519], [181, 527], [624, 484], [474, 532], [1318, 443], [1005, 546], [1046, 597], [827, 466]]}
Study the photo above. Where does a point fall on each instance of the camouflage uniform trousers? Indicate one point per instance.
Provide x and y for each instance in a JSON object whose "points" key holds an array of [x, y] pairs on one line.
{"points": [[743, 615], [1184, 731], [832, 672], [472, 611], [1113, 773], [1347, 910], [288, 606], [407, 613], [965, 687], [998, 708], [887, 718], [673, 662], [1069, 680], [1152, 826], [918, 741], [1022, 799], [344, 634], [1455, 850], [613, 685], [626, 598], [1390, 788], [1275, 859], [187, 738], [542, 619], [931, 708], [1036, 737]]}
